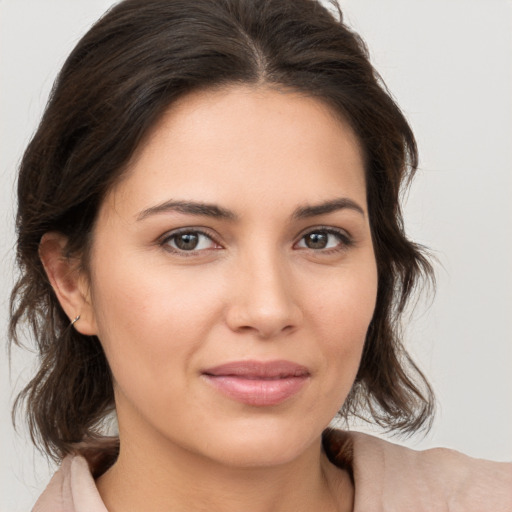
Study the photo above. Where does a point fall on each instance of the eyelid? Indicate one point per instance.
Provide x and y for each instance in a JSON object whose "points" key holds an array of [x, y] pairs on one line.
{"points": [[168, 235], [346, 238]]}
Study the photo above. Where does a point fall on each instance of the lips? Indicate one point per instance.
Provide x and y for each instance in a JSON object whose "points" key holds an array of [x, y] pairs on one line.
{"points": [[258, 383]]}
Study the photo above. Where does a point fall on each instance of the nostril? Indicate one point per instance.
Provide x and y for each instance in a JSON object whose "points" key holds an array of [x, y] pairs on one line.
{"points": [[263, 329]]}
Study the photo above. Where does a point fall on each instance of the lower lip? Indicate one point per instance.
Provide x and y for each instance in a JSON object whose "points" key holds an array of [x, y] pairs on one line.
{"points": [[257, 392]]}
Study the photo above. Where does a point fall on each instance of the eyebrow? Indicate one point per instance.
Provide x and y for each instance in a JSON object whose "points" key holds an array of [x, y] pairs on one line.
{"points": [[334, 205], [217, 212], [189, 208]]}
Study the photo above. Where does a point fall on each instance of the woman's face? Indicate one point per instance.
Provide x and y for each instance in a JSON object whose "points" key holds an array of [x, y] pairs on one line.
{"points": [[233, 278]]}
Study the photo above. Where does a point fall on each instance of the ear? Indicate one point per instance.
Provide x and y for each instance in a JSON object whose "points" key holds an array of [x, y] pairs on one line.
{"points": [[68, 281]]}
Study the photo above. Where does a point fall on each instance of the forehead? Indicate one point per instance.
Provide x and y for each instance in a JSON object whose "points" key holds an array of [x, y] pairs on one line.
{"points": [[235, 144]]}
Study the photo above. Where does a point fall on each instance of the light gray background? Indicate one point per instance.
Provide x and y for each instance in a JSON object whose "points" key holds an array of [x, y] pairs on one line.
{"points": [[449, 64]]}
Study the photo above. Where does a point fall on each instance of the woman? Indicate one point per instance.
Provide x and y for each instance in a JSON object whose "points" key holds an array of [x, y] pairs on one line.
{"points": [[211, 243]]}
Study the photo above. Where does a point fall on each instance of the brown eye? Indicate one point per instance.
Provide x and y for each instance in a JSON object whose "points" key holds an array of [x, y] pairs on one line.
{"points": [[317, 240], [188, 241], [325, 239]]}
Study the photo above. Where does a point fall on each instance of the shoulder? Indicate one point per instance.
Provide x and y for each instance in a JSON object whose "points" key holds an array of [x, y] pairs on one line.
{"points": [[391, 477], [72, 488]]}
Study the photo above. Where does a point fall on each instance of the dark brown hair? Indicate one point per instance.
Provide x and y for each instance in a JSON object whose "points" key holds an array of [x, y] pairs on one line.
{"points": [[123, 74]]}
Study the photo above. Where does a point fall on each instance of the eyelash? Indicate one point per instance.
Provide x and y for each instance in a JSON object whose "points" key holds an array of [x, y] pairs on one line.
{"points": [[343, 237], [168, 237]]}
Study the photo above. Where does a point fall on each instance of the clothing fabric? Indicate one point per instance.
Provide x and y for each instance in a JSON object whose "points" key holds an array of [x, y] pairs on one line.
{"points": [[387, 478]]}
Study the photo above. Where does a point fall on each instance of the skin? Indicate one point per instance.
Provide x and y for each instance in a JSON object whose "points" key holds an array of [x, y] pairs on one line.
{"points": [[253, 289]]}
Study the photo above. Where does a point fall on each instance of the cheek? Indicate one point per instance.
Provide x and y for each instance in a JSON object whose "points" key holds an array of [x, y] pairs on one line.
{"points": [[150, 319], [340, 316], [345, 301]]}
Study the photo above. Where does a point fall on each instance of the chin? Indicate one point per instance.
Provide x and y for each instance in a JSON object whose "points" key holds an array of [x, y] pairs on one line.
{"points": [[261, 445]]}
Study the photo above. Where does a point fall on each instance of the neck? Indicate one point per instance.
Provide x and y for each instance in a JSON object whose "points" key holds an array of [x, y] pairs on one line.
{"points": [[162, 477]]}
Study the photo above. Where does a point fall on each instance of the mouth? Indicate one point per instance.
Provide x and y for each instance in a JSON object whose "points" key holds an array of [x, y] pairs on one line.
{"points": [[258, 383]]}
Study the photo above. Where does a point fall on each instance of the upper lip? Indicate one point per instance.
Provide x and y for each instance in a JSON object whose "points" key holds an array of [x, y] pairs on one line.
{"points": [[258, 369]]}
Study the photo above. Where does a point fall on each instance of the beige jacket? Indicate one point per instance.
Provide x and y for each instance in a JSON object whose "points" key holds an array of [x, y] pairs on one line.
{"points": [[387, 478]]}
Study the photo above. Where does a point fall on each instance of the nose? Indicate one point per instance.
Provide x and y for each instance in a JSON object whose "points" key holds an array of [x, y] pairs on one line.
{"points": [[264, 299]]}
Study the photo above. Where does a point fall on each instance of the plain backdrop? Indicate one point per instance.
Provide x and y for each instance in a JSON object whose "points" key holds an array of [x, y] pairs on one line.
{"points": [[449, 65]]}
